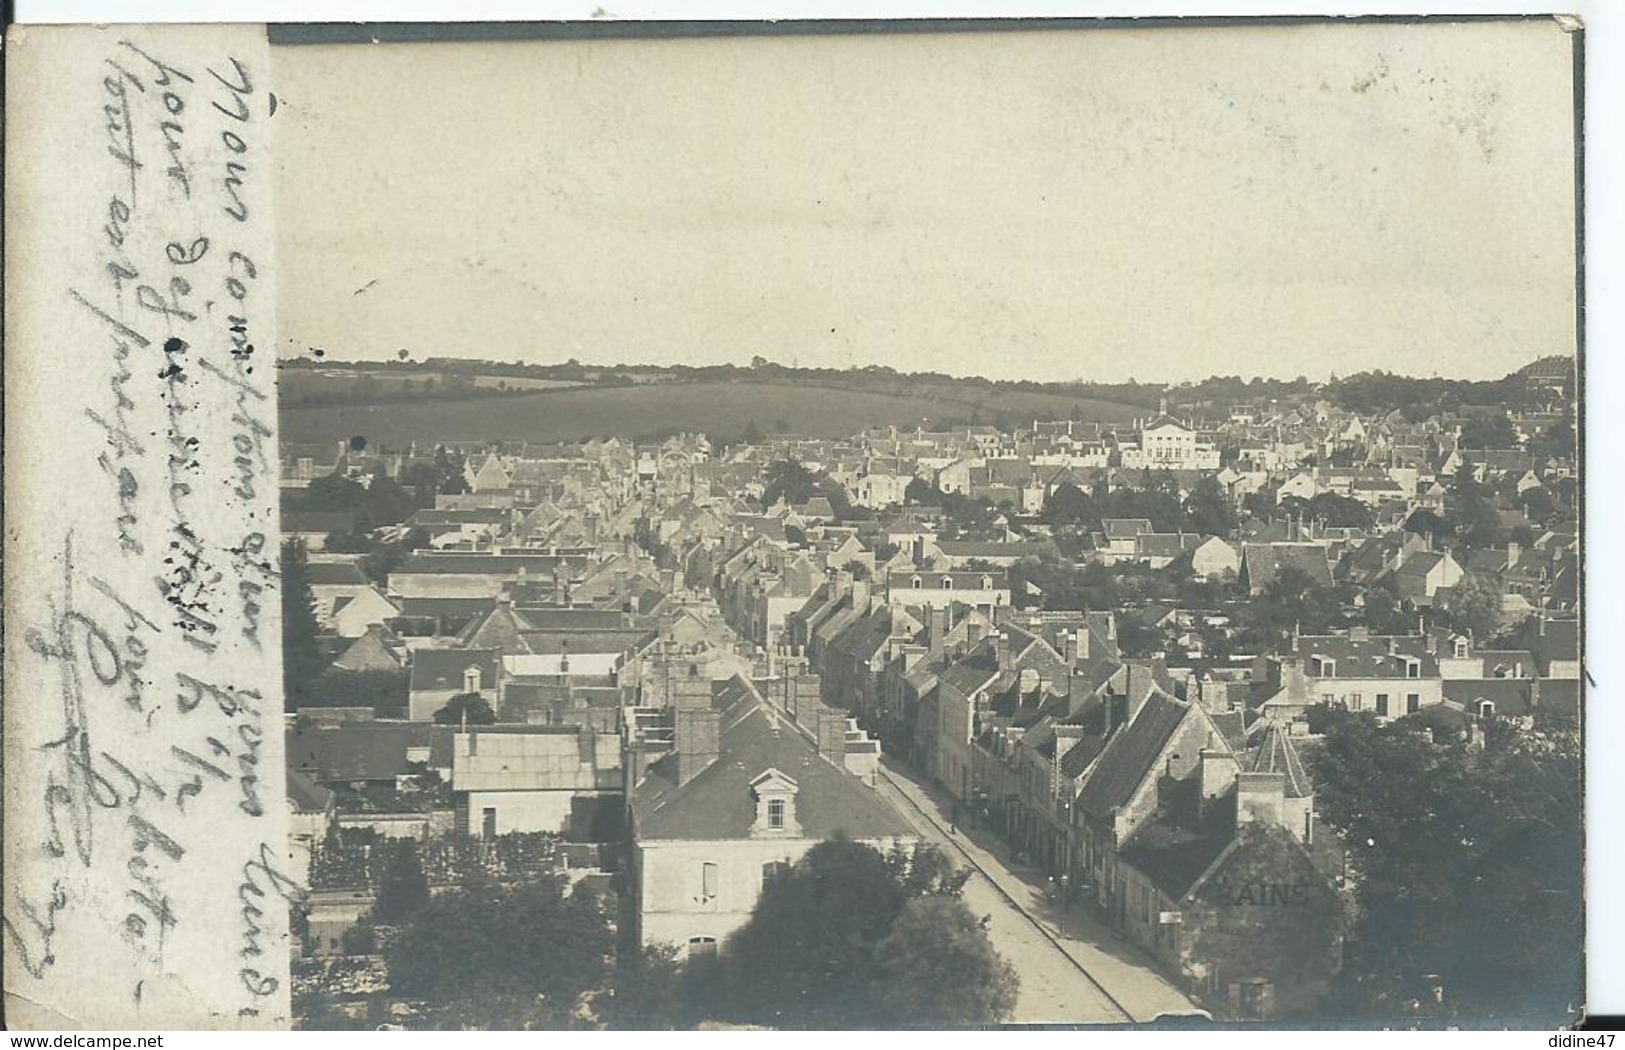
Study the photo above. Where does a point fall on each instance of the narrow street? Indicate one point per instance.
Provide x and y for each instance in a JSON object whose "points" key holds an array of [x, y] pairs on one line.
{"points": [[1072, 969]]}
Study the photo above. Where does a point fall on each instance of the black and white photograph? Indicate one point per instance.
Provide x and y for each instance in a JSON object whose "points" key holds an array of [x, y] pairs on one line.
{"points": [[928, 529], [938, 524]]}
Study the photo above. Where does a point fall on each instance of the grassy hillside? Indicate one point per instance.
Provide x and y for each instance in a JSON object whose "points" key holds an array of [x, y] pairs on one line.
{"points": [[720, 409]]}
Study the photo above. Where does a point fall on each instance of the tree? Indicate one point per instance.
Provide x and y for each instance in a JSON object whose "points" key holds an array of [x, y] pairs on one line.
{"points": [[403, 890], [1554, 443], [360, 939], [302, 661], [470, 707], [1474, 605], [504, 957], [1472, 514], [921, 493], [938, 968], [1208, 509], [332, 492], [1467, 863], [1426, 522], [1070, 505], [449, 464], [346, 543], [790, 481], [1537, 504], [1385, 613], [1493, 432], [652, 990], [824, 949], [806, 957]]}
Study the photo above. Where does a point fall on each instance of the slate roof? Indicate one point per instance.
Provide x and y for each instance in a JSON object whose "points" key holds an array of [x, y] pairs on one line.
{"points": [[1124, 528], [306, 795], [335, 574], [450, 606], [1263, 562], [1277, 754], [443, 668], [1509, 695], [717, 803], [1131, 755], [1377, 656], [1173, 857], [347, 751]]}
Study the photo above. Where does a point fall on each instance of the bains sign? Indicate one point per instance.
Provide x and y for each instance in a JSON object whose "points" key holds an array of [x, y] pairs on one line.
{"points": [[1227, 892]]}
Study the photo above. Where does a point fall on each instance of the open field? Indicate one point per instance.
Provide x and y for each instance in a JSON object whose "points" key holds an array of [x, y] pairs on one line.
{"points": [[719, 409]]}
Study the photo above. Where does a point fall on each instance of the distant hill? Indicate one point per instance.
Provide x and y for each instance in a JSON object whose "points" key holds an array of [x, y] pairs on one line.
{"points": [[721, 409]]}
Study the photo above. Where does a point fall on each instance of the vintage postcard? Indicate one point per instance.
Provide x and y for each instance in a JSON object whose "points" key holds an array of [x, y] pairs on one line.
{"points": [[846, 525]]}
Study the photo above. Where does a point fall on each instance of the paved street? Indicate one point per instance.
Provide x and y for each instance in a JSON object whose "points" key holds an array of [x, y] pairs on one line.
{"points": [[1072, 970]]}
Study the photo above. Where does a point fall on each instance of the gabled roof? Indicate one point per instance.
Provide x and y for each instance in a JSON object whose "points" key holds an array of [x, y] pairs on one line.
{"points": [[1131, 755], [501, 628], [717, 804]]}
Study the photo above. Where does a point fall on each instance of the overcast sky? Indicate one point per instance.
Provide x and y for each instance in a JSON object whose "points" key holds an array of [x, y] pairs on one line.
{"points": [[1155, 203]]}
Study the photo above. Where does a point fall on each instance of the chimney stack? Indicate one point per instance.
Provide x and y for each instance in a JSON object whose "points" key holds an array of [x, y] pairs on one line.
{"points": [[832, 736], [1006, 650], [1261, 798], [699, 735], [1218, 772], [938, 636], [860, 597]]}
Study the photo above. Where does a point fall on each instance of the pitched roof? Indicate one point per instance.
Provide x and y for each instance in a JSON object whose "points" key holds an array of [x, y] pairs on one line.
{"points": [[1262, 562], [335, 574], [718, 804], [306, 795], [443, 668], [1131, 755], [1124, 528], [346, 751], [1277, 754]]}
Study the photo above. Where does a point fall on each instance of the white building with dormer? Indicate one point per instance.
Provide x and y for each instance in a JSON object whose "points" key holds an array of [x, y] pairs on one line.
{"points": [[747, 789]]}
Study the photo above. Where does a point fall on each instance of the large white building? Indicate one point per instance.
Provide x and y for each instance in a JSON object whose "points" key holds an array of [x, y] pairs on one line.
{"points": [[1167, 444]]}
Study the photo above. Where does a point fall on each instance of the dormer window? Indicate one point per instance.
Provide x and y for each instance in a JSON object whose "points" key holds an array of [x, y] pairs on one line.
{"points": [[987, 583], [1461, 648], [917, 583], [775, 795], [947, 583]]}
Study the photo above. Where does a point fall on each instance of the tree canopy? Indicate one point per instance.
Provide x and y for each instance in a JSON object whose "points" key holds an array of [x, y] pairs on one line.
{"points": [[1467, 862], [850, 938], [504, 957], [403, 890], [472, 707], [302, 661]]}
